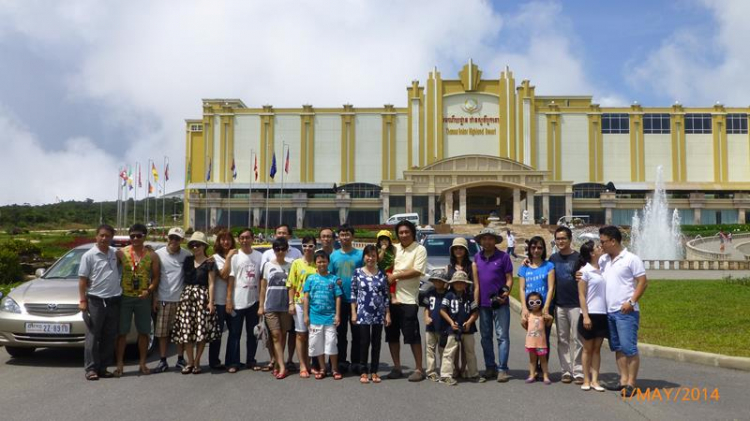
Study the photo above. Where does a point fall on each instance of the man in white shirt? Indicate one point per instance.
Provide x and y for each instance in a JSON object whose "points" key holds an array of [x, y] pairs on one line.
{"points": [[626, 281], [167, 297], [511, 243], [242, 301], [100, 294]]}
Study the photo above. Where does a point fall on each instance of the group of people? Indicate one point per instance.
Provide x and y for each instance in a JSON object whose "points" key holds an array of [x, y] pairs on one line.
{"points": [[308, 301]]}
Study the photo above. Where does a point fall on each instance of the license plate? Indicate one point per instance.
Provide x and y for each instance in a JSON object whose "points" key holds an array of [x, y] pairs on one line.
{"points": [[51, 328]]}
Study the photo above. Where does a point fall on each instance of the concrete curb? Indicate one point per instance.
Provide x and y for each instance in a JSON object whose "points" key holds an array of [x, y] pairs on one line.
{"points": [[676, 354]]}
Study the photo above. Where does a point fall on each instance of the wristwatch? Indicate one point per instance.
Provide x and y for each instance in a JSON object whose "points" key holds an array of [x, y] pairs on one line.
{"points": [[632, 303]]}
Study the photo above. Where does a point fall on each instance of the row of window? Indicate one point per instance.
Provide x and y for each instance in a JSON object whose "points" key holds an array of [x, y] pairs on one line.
{"points": [[619, 123]]}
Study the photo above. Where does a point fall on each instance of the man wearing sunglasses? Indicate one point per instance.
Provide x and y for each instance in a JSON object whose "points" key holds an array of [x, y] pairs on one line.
{"points": [[167, 298], [140, 279]]}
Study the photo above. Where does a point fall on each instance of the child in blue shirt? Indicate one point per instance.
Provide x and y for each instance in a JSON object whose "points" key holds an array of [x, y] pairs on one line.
{"points": [[434, 324], [322, 306], [460, 312]]}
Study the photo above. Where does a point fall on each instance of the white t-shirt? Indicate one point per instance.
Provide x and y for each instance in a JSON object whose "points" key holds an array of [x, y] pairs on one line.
{"points": [[596, 292], [292, 255], [620, 274], [220, 285], [246, 273], [102, 271], [511, 240], [172, 277]]}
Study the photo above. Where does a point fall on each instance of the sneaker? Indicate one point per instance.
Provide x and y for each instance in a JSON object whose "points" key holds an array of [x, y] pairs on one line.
{"points": [[490, 373], [578, 380], [181, 363], [395, 374], [433, 377], [450, 381], [416, 376], [476, 379], [503, 377], [566, 378], [161, 367]]}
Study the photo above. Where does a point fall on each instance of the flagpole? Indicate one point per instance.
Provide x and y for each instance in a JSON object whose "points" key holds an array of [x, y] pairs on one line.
{"points": [[229, 198], [127, 199], [250, 194], [163, 193], [268, 192], [119, 197], [135, 194], [208, 176], [281, 196]]}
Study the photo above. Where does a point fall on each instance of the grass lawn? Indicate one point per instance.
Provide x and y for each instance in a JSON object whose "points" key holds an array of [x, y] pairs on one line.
{"points": [[701, 315]]}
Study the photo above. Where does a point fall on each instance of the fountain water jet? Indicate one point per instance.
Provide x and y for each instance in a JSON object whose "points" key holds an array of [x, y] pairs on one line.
{"points": [[655, 235]]}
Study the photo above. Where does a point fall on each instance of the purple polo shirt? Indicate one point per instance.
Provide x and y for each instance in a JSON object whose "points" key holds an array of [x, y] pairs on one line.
{"points": [[491, 274]]}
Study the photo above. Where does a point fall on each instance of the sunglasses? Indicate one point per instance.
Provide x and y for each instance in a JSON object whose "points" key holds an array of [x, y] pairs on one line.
{"points": [[174, 238], [533, 303], [134, 236], [308, 246], [195, 245], [280, 248]]}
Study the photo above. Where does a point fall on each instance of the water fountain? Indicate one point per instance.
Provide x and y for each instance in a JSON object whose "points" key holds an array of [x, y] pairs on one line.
{"points": [[655, 235]]}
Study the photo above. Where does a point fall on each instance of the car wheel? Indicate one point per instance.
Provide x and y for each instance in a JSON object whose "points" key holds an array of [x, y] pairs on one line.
{"points": [[17, 352]]}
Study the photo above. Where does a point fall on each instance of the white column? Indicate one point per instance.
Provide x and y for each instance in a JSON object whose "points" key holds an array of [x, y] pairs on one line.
{"points": [[448, 205], [569, 203], [462, 206], [430, 209], [300, 217], [530, 206], [516, 206], [408, 203], [386, 206], [545, 207]]}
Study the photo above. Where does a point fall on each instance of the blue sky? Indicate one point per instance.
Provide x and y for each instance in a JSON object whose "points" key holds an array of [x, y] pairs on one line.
{"points": [[88, 86]]}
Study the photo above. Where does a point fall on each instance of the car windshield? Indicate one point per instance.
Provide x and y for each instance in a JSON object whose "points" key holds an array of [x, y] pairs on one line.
{"points": [[441, 246], [67, 266]]}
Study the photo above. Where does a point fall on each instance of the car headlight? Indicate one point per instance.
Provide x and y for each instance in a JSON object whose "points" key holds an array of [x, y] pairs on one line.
{"points": [[7, 304]]}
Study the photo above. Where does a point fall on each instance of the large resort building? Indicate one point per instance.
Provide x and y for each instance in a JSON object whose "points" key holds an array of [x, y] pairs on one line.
{"points": [[462, 149]]}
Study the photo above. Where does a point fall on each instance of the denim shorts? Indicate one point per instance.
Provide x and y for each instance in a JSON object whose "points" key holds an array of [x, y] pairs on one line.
{"points": [[623, 332]]}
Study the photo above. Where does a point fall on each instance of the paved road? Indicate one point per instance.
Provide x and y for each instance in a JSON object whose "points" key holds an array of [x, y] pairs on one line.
{"points": [[50, 385]]}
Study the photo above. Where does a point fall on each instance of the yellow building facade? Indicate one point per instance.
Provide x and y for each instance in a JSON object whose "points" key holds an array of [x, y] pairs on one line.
{"points": [[461, 149]]}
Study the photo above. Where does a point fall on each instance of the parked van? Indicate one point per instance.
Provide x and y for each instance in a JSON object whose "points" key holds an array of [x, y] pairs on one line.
{"points": [[395, 219]]}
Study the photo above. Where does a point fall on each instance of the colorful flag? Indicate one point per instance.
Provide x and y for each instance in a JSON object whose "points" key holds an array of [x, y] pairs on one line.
{"points": [[255, 168], [234, 170], [273, 166], [166, 172], [124, 177], [286, 164], [154, 172], [130, 178], [150, 187], [208, 173]]}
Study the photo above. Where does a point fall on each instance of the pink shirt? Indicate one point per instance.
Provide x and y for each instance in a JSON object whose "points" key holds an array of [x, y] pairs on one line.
{"points": [[535, 337]]}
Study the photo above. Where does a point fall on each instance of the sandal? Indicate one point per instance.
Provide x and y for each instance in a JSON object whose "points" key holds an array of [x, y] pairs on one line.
{"points": [[257, 368], [282, 376], [364, 379], [117, 373], [375, 378], [304, 374], [91, 375], [106, 374], [234, 370], [268, 367], [187, 369], [197, 369], [337, 375], [320, 375]]}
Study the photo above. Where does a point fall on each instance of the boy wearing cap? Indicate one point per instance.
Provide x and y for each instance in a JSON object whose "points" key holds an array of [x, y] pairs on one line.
{"points": [[459, 310], [167, 297], [433, 321]]}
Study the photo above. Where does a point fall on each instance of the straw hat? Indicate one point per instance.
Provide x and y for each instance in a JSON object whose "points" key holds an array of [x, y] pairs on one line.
{"points": [[198, 237], [460, 276]]}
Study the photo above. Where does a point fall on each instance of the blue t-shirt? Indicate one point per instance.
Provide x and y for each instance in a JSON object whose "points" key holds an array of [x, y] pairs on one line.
{"points": [[459, 308], [431, 301], [323, 292], [536, 278], [343, 265], [371, 293]]}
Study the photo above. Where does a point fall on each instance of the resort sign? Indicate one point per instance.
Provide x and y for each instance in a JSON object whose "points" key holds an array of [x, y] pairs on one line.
{"points": [[471, 123]]}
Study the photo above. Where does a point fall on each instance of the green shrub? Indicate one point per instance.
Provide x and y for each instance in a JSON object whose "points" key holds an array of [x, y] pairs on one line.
{"points": [[10, 267], [21, 247]]}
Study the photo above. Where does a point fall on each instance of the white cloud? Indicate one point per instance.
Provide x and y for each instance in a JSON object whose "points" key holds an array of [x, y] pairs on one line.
{"points": [[30, 174], [697, 67], [149, 63]]}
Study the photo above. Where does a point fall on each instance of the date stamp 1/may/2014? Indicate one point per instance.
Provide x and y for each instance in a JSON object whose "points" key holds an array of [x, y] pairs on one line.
{"points": [[673, 394]]}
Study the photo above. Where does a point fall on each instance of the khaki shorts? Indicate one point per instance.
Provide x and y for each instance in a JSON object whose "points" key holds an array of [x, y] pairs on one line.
{"points": [[279, 321], [166, 314]]}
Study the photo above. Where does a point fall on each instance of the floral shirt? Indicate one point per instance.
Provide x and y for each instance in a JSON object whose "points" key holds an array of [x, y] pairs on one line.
{"points": [[371, 294]]}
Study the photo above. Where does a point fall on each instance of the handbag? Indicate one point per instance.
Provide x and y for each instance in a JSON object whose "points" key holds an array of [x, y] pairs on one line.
{"points": [[260, 330]]}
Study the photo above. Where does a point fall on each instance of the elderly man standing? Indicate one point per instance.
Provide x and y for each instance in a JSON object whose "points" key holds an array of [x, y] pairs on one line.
{"points": [[409, 265], [625, 278], [100, 293], [494, 272]]}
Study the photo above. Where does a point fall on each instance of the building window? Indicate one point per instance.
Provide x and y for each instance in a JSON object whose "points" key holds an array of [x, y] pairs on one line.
{"points": [[697, 123], [615, 124], [196, 127], [656, 124], [736, 123]]}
